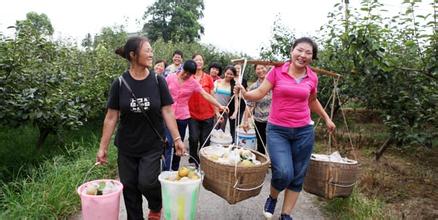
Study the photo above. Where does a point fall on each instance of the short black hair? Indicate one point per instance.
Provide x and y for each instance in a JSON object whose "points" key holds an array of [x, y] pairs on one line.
{"points": [[189, 67], [309, 41], [161, 61], [232, 68], [179, 53], [217, 66]]}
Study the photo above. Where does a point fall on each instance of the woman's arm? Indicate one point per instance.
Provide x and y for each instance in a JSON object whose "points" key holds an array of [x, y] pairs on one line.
{"points": [[169, 119], [213, 101], [256, 94], [109, 124], [315, 106]]}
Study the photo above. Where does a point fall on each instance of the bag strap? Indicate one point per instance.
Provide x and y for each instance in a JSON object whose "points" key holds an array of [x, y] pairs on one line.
{"points": [[148, 119]]}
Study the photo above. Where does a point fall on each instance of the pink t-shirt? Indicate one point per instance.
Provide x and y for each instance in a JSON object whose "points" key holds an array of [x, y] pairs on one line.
{"points": [[181, 93], [290, 99]]}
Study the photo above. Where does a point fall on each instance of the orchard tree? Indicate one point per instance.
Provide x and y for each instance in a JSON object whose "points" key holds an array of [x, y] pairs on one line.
{"points": [[174, 20], [389, 65]]}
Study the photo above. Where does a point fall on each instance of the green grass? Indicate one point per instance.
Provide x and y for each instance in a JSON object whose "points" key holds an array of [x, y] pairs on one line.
{"points": [[18, 154], [49, 192], [41, 184], [356, 206]]}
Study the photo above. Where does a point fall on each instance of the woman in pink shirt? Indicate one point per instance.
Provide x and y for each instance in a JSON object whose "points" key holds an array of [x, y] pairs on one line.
{"points": [[290, 135], [181, 87]]}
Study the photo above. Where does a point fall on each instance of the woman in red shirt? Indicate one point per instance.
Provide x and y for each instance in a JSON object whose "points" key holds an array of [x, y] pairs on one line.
{"points": [[201, 111]]}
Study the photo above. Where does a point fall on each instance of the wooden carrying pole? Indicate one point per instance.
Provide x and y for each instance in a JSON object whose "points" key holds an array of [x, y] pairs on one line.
{"points": [[279, 63]]}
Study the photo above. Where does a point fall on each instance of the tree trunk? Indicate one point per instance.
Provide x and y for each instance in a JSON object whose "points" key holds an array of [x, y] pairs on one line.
{"points": [[382, 148], [44, 132]]}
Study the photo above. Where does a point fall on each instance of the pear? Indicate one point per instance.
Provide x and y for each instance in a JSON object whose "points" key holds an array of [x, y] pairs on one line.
{"points": [[246, 163], [183, 171], [92, 190], [193, 175]]}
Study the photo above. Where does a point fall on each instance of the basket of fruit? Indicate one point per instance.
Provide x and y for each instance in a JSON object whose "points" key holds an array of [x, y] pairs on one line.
{"points": [[331, 176], [233, 173], [100, 199], [180, 192]]}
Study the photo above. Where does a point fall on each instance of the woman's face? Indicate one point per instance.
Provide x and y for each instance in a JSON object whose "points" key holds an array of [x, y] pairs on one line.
{"points": [[159, 68], [214, 72], [177, 59], [301, 55], [145, 55], [199, 61], [228, 75], [185, 76], [238, 69], [261, 71]]}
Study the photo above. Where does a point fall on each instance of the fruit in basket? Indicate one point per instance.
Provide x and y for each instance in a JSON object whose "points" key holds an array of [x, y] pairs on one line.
{"points": [[92, 190], [183, 171], [246, 163], [184, 174], [192, 175], [213, 157], [245, 154]]}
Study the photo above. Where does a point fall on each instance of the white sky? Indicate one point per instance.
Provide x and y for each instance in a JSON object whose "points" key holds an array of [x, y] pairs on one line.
{"points": [[230, 25]]}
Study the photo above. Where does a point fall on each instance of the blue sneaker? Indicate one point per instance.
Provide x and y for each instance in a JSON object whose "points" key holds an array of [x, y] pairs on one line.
{"points": [[285, 217], [269, 209]]}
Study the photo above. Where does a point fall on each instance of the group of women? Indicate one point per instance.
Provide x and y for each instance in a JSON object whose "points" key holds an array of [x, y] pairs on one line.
{"points": [[164, 102]]}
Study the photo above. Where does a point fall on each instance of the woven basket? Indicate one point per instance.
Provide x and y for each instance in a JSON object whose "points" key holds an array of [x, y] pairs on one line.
{"points": [[329, 179], [220, 178]]}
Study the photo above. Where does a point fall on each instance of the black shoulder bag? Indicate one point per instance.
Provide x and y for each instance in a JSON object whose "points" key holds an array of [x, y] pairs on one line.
{"points": [[148, 119]]}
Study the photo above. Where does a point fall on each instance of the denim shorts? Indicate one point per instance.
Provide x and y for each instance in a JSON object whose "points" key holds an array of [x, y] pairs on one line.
{"points": [[290, 150]]}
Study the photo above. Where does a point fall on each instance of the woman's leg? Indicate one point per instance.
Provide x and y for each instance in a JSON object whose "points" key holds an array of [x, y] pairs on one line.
{"points": [[128, 173], [301, 151], [182, 125], [233, 129], [280, 153], [261, 128], [206, 127], [194, 133], [223, 124], [168, 150], [148, 184]]}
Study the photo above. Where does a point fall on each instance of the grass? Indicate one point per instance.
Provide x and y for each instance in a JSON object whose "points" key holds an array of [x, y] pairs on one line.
{"points": [[356, 206], [50, 191], [18, 154], [42, 184]]}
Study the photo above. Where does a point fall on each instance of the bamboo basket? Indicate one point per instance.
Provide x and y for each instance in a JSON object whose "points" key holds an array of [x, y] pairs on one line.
{"points": [[330, 179], [231, 183]]}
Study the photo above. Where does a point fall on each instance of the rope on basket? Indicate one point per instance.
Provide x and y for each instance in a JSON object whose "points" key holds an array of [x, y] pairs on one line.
{"points": [[217, 122], [240, 96]]}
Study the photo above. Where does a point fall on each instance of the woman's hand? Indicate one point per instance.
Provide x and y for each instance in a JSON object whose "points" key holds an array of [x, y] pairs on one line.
{"points": [[238, 88], [223, 108], [219, 117], [245, 126], [234, 115], [180, 149], [330, 125], [102, 156]]}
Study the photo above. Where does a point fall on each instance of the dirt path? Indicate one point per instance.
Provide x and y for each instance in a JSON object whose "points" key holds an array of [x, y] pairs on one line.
{"points": [[211, 206]]}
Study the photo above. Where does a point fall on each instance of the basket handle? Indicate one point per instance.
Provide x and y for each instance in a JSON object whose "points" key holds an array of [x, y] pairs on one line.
{"points": [[237, 181], [341, 185], [246, 189], [196, 161], [87, 174]]}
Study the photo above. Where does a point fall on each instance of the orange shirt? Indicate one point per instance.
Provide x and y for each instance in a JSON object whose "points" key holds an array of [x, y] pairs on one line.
{"points": [[200, 108]]}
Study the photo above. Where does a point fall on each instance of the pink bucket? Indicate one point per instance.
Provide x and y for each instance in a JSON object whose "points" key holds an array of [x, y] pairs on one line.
{"points": [[100, 207]]}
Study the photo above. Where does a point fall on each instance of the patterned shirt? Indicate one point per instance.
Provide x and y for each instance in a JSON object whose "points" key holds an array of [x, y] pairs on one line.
{"points": [[262, 106]]}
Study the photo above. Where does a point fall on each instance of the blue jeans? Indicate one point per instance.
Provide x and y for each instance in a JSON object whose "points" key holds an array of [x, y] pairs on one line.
{"points": [[182, 126], [290, 150]]}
